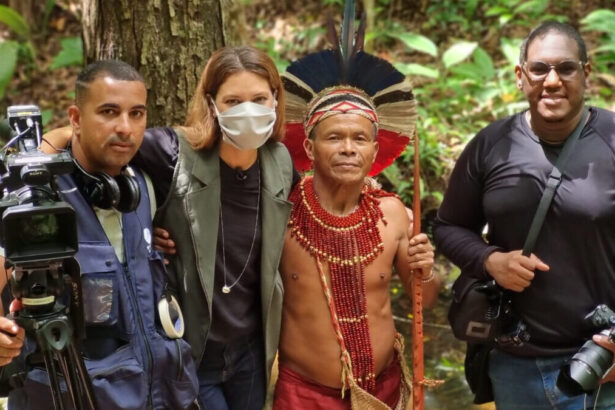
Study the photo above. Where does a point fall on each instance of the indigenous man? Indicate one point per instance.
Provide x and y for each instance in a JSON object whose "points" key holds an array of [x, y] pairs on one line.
{"points": [[343, 239]]}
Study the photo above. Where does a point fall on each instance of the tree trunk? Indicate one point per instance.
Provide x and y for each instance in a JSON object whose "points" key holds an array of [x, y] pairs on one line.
{"points": [[168, 41]]}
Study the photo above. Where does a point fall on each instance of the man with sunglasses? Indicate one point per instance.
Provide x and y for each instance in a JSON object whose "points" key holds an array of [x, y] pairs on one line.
{"points": [[499, 180]]}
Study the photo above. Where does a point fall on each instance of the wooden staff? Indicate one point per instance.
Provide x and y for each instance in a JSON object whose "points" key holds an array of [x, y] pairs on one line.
{"points": [[418, 368]]}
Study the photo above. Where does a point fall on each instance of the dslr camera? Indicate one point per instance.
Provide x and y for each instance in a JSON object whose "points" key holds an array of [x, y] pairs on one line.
{"points": [[582, 373], [38, 230]]}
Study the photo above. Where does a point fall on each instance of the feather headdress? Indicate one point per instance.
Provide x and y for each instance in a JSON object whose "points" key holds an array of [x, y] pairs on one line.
{"points": [[348, 80]]}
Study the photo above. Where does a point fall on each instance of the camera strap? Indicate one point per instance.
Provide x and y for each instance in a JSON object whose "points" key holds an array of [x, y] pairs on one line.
{"points": [[553, 182]]}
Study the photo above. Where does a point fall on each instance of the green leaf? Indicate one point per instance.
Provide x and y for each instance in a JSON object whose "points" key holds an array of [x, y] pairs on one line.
{"points": [[496, 11], [532, 8], [504, 18], [71, 53], [468, 71], [8, 56], [470, 8], [417, 69], [458, 52], [418, 42], [15, 22], [29, 51], [600, 20], [484, 61], [46, 116], [510, 48]]}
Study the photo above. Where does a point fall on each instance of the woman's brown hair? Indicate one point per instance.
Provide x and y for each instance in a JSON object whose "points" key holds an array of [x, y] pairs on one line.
{"points": [[201, 127]]}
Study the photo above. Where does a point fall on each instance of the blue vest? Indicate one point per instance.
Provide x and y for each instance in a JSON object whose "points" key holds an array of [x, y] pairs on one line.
{"points": [[132, 364]]}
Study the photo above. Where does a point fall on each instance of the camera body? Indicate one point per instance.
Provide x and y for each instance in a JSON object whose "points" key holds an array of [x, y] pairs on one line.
{"points": [[582, 373], [37, 229]]}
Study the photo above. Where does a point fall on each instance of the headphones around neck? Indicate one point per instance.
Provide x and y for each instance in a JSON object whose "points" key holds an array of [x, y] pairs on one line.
{"points": [[104, 191]]}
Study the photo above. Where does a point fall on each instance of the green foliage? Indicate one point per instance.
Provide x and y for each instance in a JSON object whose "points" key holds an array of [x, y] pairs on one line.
{"points": [[457, 53], [269, 46], [413, 69], [22, 49], [602, 21], [12, 51], [8, 56], [71, 53], [15, 22], [417, 42], [520, 12]]}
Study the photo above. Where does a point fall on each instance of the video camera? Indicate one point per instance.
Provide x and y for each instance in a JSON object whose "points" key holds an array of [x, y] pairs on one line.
{"points": [[38, 231], [583, 372], [36, 224]]}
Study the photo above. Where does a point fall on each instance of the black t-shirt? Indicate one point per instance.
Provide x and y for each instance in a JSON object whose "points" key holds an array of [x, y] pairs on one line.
{"points": [[237, 314], [498, 180]]}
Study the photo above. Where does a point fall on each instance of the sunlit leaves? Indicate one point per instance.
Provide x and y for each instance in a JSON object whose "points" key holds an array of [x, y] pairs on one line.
{"points": [[510, 49], [417, 69], [418, 42], [458, 52], [600, 20]]}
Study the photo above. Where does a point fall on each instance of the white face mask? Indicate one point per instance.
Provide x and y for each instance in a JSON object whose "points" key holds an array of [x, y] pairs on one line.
{"points": [[247, 125]]}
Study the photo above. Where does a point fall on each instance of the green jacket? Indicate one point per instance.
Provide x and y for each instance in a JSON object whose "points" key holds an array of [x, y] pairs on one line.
{"points": [[190, 214]]}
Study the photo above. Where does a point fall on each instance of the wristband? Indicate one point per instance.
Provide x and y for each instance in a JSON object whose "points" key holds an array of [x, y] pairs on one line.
{"points": [[171, 317], [429, 278]]}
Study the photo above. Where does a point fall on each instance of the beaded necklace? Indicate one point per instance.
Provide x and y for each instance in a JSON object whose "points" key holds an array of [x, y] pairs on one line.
{"points": [[348, 243]]}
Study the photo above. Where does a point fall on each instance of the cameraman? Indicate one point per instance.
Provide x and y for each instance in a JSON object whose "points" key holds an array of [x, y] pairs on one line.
{"points": [[132, 364]]}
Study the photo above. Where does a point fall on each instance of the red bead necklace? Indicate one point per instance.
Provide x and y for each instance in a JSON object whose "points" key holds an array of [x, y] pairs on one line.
{"points": [[348, 243]]}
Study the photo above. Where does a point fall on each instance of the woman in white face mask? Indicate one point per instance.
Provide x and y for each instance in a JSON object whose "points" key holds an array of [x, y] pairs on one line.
{"points": [[222, 183]]}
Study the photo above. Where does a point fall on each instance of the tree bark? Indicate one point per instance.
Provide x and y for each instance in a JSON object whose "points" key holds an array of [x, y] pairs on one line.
{"points": [[168, 41]]}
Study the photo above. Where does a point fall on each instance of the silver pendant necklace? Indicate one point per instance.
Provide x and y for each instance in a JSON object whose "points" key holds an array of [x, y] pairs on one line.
{"points": [[227, 288]]}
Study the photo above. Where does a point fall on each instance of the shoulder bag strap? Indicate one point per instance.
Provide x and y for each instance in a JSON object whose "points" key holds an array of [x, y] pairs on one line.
{"points": [[555, 178]]}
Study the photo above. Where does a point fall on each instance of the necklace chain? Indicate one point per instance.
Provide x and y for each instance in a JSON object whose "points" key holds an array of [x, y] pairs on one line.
{"points": [[227, 288]]}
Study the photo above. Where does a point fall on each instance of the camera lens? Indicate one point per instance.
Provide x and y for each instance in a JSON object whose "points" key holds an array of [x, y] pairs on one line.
{"points": [[583, 372]]}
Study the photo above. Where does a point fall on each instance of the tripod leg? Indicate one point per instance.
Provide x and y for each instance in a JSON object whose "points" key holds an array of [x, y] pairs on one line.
{"points": [[82, 377], [71, 380], [56, 392]]}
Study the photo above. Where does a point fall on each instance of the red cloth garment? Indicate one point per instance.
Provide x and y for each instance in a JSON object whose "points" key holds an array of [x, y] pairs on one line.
{"points": [[296, 392]]}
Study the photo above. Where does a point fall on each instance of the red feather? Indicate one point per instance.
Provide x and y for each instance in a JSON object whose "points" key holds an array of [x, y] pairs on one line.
{"points": [[390, 146], [295, 134]]}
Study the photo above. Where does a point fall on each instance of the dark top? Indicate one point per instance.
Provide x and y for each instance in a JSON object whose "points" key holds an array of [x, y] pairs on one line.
{"points": [[236, 314], [498, 180]]}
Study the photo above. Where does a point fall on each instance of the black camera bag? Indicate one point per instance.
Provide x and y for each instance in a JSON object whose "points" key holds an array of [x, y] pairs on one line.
{"points": [[476, 310]]}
